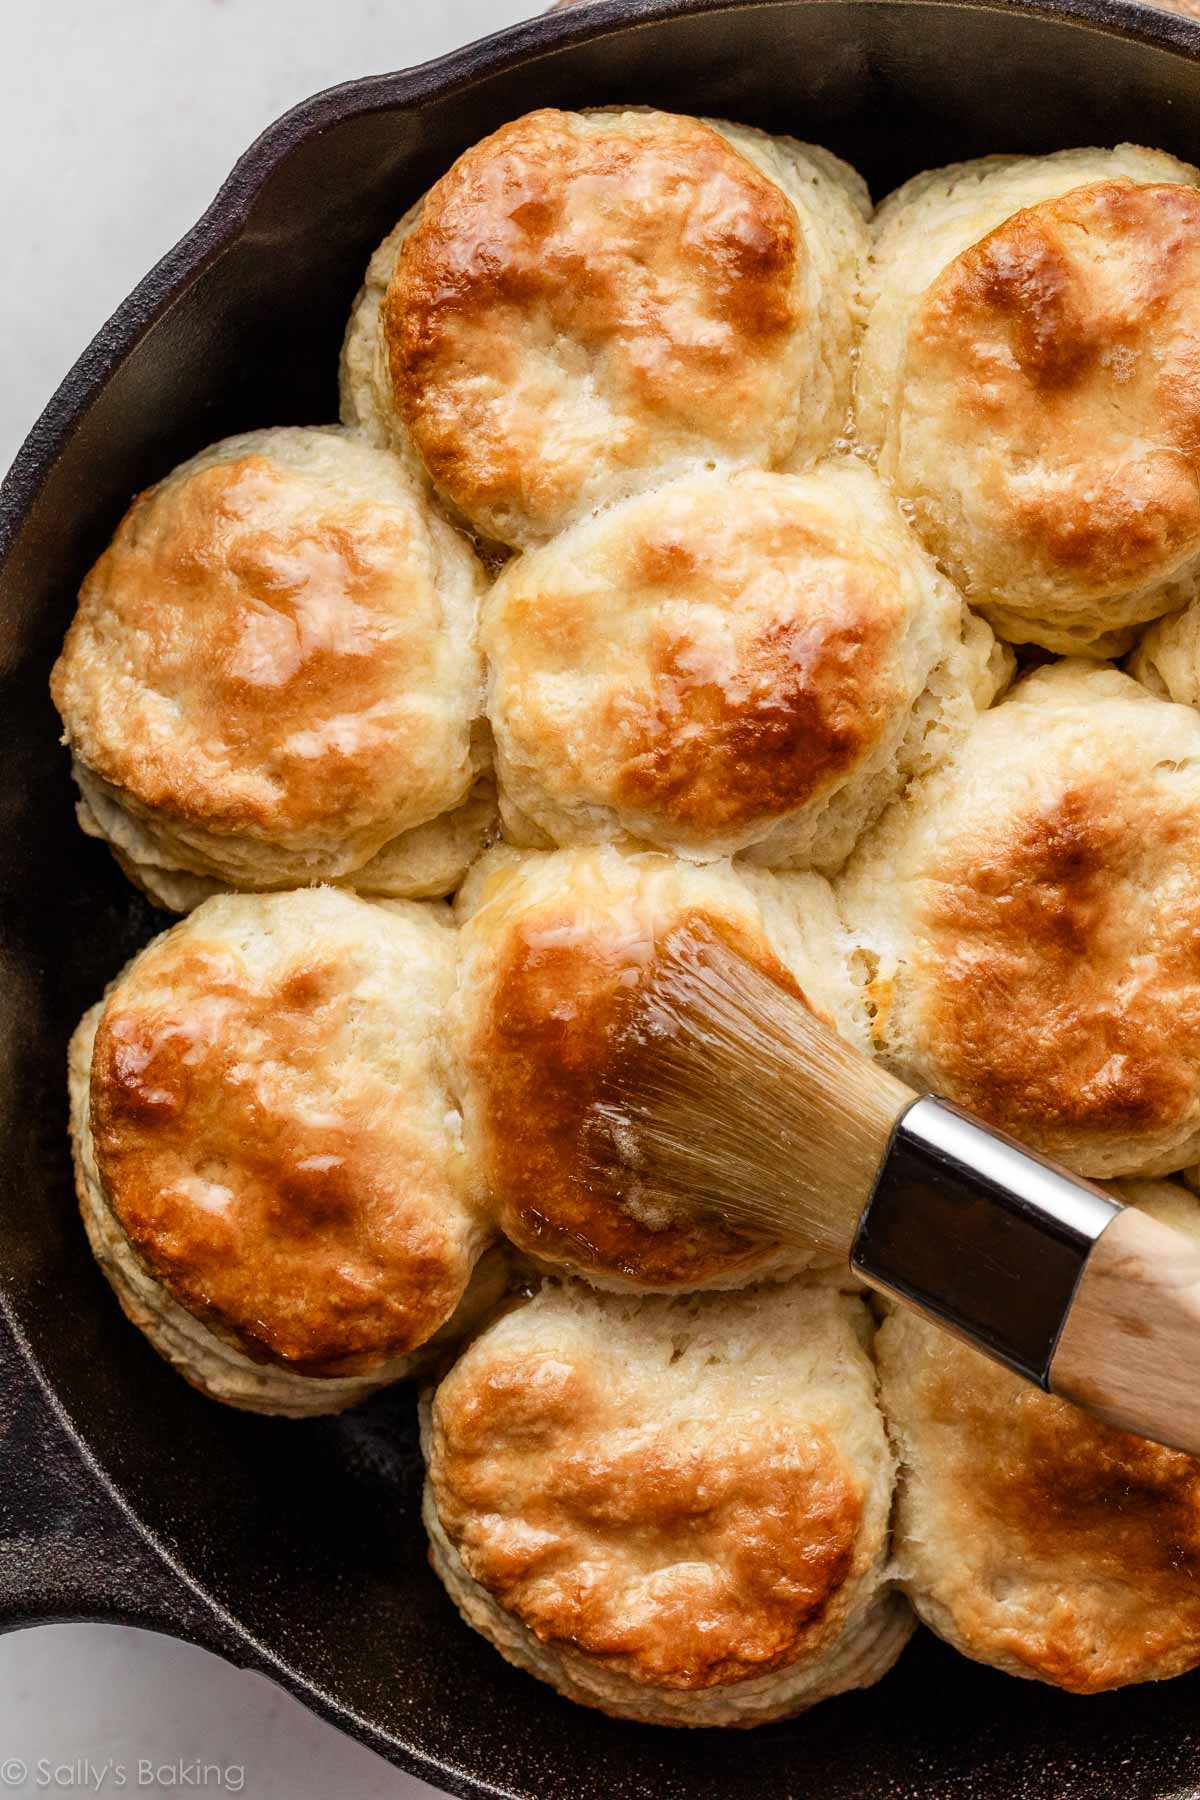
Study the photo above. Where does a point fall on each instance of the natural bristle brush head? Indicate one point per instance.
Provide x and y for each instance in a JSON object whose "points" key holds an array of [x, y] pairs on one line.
{"points": [[732, 1097]]}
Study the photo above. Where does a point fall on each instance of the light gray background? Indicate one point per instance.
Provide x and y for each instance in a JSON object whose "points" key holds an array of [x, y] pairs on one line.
{"points": [[118, 121]]}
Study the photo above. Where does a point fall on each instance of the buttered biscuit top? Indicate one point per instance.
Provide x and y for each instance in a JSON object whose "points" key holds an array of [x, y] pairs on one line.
{"points": [[1028, 924], [747, 662], [554, 951], [266, 1131], [675, 1510], [272, 675], [1031, 375], [589, 301]]}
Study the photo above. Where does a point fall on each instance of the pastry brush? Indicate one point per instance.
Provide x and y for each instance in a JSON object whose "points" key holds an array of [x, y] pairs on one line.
{"points": [[730, 1098]]}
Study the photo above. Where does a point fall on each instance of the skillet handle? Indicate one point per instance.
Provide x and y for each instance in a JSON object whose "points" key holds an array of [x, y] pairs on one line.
{"points": [[67, 1548]]}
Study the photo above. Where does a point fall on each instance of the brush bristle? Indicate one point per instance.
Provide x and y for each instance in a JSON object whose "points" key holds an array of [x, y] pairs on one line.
{"points": [[731, 1098]]}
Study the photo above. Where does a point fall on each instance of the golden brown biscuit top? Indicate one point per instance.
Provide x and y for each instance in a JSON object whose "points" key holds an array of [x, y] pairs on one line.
{"points": [[584, 288], [703, 661], [280, 1166], [553, 970], [1059, 968], [686, 1554], [1080, 1545], [263, 651], [1054, 370], [563, 1015]]}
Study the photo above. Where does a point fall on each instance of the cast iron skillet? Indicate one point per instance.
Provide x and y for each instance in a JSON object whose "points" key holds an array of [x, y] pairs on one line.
{"points": [[296, 1548]]}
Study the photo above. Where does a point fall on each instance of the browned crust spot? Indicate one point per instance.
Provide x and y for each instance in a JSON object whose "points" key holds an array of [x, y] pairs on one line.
{"points": [[542, 235], [1046, 1009], [1072, 325], [805, 704], [1110, 1523], [276, 642], [681, 1563], [561, 1019], [323, 1239]]}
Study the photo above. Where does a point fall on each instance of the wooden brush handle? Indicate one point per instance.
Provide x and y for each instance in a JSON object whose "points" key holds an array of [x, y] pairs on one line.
{"points": [[1130, 1349]]}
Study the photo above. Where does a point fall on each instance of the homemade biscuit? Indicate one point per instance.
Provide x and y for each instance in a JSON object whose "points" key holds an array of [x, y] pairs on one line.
{"points": [[1029, 1535], [268, 1151], [1166, 658], [673, 1510], [272, 677], [1030, 378], [733, 662], [553, 952], [587, 303], [1027, 923]]}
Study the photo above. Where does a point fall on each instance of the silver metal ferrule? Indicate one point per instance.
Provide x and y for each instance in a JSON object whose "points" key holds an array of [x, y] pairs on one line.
{"points": [[979, 1234]]}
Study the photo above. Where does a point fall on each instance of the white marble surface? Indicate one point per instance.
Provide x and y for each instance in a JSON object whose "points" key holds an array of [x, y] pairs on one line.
{"points": [[118, 121]]}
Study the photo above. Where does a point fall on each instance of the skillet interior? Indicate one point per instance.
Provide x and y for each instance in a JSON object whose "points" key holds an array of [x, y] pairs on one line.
{"points": [[307, 1535]]}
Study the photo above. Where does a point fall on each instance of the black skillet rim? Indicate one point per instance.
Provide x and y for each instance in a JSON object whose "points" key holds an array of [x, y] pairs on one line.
{"points": [[216, 229]]}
